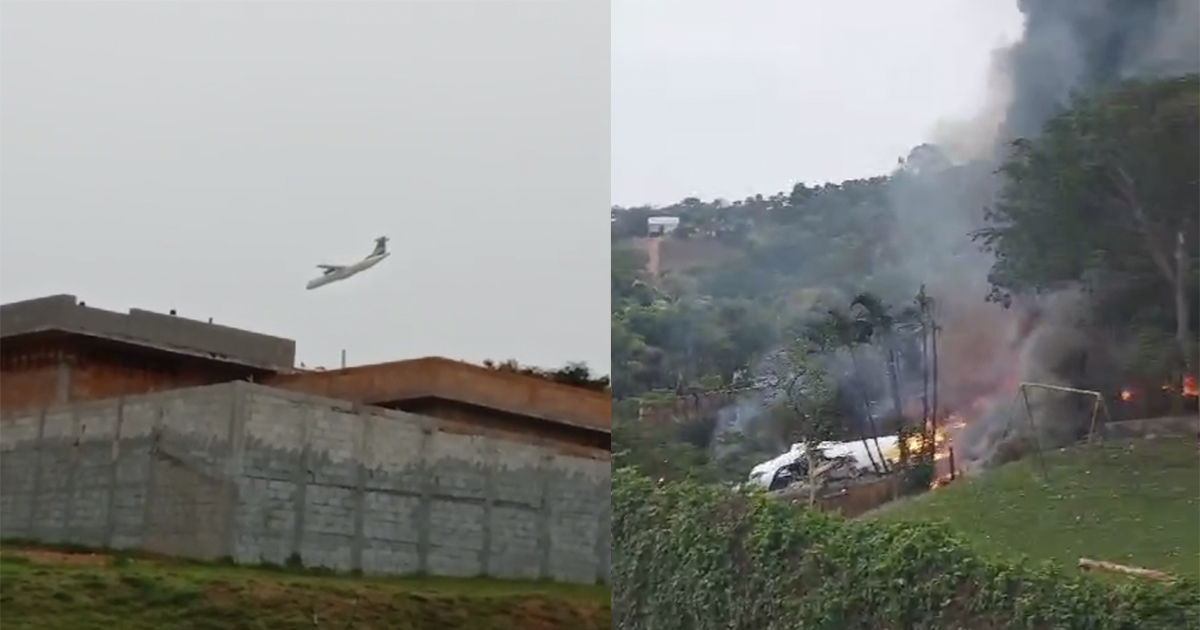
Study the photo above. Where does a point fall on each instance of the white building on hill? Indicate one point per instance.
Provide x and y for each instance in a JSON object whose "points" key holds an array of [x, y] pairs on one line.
{"points": [[658, 226]]}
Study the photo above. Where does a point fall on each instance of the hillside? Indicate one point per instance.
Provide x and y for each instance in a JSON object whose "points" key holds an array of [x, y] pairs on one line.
{"points": [[678, 255], [46, 590], [1135, 503], [924, 292]]}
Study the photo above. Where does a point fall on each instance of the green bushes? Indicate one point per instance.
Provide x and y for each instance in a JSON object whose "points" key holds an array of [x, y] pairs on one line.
{"points": [[918, 476], [694, 557], [572, 374]]}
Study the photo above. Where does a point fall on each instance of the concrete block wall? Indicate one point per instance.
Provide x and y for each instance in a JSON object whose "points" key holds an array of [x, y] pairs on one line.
{"points": [[102, 473], [264, 475]]}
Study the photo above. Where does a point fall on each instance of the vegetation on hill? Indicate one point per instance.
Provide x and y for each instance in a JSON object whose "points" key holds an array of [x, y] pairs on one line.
{"points": [[47, 590], [1135, 503]]}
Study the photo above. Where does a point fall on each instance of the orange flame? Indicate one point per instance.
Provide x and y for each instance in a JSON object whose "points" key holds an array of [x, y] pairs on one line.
{"points": [[1188, 389], [941, 438], [942, 448], [917, 443]]}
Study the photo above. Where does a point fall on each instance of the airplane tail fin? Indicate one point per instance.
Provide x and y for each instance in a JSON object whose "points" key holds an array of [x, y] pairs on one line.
{"points": [[380, 246]]}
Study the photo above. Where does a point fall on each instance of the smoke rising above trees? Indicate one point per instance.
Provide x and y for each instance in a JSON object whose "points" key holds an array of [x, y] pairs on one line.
{"points": [[1039, 217]]}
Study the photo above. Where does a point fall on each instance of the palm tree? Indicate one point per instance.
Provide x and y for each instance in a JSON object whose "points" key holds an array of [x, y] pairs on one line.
{"points": [[839, 330], [919, 318]]}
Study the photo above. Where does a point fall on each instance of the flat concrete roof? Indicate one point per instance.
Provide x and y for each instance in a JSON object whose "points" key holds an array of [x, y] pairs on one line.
{"points": [[171, 333]]}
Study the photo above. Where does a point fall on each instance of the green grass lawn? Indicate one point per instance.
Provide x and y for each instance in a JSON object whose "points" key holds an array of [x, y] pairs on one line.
{"points": [[1135, 503], [47, 590]]}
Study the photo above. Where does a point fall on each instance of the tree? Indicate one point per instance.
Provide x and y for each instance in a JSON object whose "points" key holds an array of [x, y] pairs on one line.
{"points": [[805, 393], [1106, 197], [653, 449], [921, 315], [841, 332]]}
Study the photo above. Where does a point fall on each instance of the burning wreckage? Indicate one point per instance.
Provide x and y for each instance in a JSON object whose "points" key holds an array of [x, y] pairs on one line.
{"points": [[844, 462], [1011, 381]]}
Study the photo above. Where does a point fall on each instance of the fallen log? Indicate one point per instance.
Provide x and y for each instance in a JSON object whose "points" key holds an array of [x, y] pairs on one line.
{"points": [[1087, 564]]}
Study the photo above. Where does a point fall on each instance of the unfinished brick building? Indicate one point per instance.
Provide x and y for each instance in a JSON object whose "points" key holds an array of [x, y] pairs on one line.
{"points": [[420, 465]]}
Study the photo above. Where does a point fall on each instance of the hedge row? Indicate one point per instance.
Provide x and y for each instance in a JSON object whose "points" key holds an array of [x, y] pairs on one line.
{"points": [[695, 557]]}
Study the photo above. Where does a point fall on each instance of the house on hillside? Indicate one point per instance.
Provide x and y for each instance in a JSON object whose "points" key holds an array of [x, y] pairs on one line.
{"points": [[661, 226]]}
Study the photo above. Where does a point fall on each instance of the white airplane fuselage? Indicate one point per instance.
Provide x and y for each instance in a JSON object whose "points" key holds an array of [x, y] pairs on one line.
{"points": [[347, 271], [764, 473]]}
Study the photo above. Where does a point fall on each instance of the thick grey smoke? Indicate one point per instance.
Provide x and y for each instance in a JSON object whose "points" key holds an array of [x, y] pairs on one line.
{"points": [[1076, 44], [1066, 46]]}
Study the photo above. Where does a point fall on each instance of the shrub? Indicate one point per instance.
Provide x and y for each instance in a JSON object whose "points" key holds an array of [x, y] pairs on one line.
{"points": [[695, 557], [573, 374], [918, 476]]}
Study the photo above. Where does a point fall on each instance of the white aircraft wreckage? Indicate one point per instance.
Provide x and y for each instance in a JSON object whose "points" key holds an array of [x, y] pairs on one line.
{"points": [[850, 459], [335, 273]]}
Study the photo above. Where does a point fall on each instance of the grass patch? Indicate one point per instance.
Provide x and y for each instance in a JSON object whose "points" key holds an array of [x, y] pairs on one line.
{"points": [[1135, 502], [52, 590]]}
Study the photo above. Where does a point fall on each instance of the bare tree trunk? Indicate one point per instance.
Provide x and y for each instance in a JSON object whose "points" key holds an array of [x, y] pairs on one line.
{"points": [[874, 428], [924, 313], [934, 367], [870, 456], [812, 474], [926, 422], [894, 382], [1181, 305], [1182, 325], [1173, 271], [875, 438]]}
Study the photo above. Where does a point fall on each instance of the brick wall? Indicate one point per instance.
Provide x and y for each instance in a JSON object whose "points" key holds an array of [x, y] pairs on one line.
{"points": [[454, 417], [59, 371], [455, 380], [27, 388]]}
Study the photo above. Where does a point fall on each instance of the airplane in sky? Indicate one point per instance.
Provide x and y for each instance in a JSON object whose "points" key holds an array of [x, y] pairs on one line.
{"points": [[335, 273]]}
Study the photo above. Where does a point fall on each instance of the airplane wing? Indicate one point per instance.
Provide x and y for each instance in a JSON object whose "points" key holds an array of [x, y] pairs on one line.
{"points": [[328, 269]]}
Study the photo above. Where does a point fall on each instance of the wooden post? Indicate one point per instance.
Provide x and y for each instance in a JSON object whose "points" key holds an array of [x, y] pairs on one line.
{"points": [[1087, 564]]}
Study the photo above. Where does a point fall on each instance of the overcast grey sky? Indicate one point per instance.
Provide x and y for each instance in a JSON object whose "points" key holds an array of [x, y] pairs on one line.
{"points": [[714, 98], [205, 156]]}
